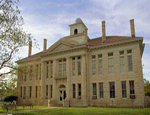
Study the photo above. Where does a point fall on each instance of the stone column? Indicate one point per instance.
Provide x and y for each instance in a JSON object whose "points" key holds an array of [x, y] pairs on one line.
{"points": [[42, 80], [84, 81], [68, 86], [54, 93]]}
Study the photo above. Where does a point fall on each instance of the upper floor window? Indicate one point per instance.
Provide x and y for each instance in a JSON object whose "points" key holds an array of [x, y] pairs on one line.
{"points": [[110, 63], [51, 69], [47, 66], [79, 65], [75, 31], [73, 66], [62, 68], [93, 65], [122, 62], [37, 67], [130, 63], [31, 72], [100, 63]]}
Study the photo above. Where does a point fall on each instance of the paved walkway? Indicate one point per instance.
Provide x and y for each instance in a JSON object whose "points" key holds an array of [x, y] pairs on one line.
{"points": [[25, 111]]}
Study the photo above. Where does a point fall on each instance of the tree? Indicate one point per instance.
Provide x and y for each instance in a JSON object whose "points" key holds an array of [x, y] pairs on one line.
{"points": [[147, 87], [12, 35]]}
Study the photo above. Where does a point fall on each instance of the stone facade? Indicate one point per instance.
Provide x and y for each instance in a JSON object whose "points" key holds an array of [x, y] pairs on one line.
{"points": [[79, 71]]}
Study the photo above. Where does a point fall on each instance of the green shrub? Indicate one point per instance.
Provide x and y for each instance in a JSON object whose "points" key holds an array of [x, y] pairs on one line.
{"points": [[10, 98]]}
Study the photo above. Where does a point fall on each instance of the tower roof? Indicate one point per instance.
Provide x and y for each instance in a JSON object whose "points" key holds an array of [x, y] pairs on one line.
{"points": [[78, 20]]}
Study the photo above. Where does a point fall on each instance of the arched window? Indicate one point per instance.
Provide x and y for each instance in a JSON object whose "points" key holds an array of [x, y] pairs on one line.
{"points": [[75, 31]]}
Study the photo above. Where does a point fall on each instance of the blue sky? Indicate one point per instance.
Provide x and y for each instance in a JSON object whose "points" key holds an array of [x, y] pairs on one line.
{"points": [[50, 19]]}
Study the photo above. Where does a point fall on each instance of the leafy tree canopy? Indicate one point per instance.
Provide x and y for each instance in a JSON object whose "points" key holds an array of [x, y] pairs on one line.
{"points": [[12, 35]]}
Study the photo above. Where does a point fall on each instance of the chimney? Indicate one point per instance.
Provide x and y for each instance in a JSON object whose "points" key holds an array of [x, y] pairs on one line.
{"points": [[103, 32], [30, 48], [45, 44], [132, 28]]}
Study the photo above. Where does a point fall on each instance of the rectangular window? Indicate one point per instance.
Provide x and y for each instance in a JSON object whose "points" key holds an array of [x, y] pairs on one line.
{"points": [[37, 67], [51, 69], [36, 91], [21, 76], [73, 66], [131, 83], [39, 91], [31, 73], [110, 63], [122, 64], [74, 90], [62, 68], [20, 91], [24, 94], [46, 91], [79, 90], [94, 89], [47, 64], [112, 89], [51, 91], [101, 95], [130, 63], [100, 64], [79, 65], [40, 72], [25, 76], [124, 93], [93, 65], [30, 91]]}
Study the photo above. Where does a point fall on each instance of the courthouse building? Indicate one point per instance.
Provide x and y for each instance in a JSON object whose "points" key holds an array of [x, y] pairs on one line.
{"points": [[79, 71]]}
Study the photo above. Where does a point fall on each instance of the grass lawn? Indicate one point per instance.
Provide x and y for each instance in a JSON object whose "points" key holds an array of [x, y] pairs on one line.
{"points": [[90, 111], [20, 108]]}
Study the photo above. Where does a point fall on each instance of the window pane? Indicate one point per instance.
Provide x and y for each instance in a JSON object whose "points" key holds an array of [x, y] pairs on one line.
{"points": [[112, 89], [100, 90], [123, 83]]}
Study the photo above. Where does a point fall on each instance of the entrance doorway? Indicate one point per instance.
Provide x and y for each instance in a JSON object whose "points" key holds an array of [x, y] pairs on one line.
{"points": [[62, 93]]}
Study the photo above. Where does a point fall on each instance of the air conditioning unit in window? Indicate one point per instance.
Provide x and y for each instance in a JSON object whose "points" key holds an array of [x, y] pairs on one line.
{"points": [[132, 96], [94, 97], [79, 97]]}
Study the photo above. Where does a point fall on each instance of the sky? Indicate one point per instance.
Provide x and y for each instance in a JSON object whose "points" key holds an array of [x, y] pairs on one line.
{"points": [[50, 19]]}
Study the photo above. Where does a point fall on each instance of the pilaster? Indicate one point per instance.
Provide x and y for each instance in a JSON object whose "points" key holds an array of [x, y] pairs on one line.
{"points": [[84, 81]]}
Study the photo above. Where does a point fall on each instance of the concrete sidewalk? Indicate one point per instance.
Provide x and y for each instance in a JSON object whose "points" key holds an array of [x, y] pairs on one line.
{"points": [[25, 111]]}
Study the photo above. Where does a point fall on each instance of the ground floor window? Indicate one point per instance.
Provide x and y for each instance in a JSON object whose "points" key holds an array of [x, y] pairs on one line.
{"points": [[101, 95], [51, 91], [112, 89], [123, 84], [74, 91], [79, 91]]}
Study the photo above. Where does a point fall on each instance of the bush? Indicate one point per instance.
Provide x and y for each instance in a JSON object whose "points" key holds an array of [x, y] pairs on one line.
{"points": [[10, 98]]}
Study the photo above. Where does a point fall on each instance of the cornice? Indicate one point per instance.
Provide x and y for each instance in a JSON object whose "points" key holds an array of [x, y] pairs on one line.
{"points": [[104, 45]]}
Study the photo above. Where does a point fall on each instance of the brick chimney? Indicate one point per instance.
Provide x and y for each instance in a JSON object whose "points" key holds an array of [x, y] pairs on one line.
{"points": [[30, 48], [45, 44], [132, 28], [103, 32]]}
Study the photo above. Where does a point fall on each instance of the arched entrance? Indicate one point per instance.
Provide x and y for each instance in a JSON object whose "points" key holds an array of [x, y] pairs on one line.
{"points": [[62, 93]]}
